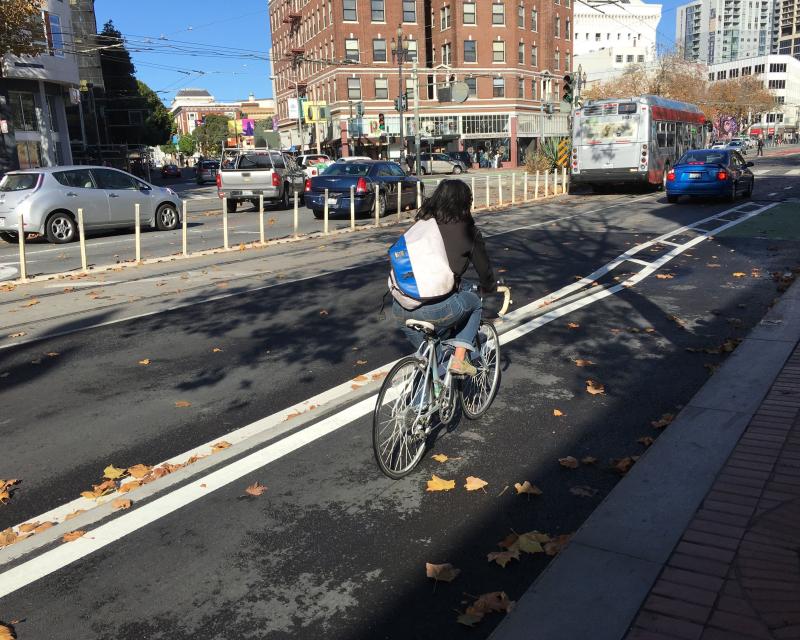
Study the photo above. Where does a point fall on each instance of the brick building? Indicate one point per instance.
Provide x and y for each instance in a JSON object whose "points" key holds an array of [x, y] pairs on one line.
{"points": [[512, 54]]}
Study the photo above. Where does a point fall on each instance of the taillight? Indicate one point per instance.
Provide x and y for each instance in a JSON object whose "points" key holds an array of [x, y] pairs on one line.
{"points": [[644, 147], [361, 185], [308, 185], [671, 175], [219, 181], [276, 179], [722, 175]]}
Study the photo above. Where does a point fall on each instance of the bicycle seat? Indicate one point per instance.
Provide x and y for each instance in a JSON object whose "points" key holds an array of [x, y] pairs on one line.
{"points": [[421, 325]]}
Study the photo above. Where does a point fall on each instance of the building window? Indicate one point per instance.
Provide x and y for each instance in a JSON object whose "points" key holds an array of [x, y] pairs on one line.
{"points": [[409, 10], [472, 85], [746, 71], [23, 111], [629, 58], [777, 68], [567, 61], [498, 87], [568, 29], [410, 88], [381, 89], [447, 57], [444, 17], [379, 50], [722, 75], [618, 58], [521, 53], [498, 51], [350, 14], [29, 155], [351, 50], [521, 16], [55, 37], [534, 85], [597, 36], [777, 84], [469, 12], [498, 14], [470, 51], [759, 68], [521, 87], [354, 88], [411, 49], [534, 56], [556, 60], [378, 11]]}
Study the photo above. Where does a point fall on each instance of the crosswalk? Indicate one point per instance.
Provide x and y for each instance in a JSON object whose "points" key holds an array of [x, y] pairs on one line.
{"points": [[776, 173]]}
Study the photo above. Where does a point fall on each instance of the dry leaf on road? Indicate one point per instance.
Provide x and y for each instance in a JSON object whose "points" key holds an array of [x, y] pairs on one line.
{"points": [[440, 484], [144, 362], [664, 276], [72, 535], [584, 491], [74, 514], [31, 303], [503, 557], [7, 632], [595, 388], [18, 334], [6, 490], [323, 312], [255, 489], [557, 544], [219, 446], [487, 603], [139, 471], [568, 463], [739, 274], [646, 441], [121, 504], [623, 465], [216, 350], [360, 362], [573, 325], [527, 487], [7, 537], [588, 460], [583, 363], [473, 483], [112, 473], [663, 421], [182, 404], [557, 413], [441, 572], [440, 457]]}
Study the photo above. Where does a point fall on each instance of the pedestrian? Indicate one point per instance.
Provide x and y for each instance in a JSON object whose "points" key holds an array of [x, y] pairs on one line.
{"points": [[760, 146]]}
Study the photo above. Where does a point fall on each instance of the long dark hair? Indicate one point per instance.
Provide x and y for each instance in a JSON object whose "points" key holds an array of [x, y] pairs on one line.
{"points": [[451, 202]]}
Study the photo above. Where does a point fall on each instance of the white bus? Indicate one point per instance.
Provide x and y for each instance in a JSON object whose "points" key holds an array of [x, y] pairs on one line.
{"points": [[632, 140]]}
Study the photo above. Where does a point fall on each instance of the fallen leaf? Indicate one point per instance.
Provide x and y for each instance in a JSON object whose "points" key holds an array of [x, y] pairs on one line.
{"points": [[569, 462], [469, 619], [583, 491], [112, 473], [663, 421], [216, 350], [360, 362], [28, 527], [44, 527], [145, 362], [19, 334], [73, 535], [361, 378], [323, 312], [7, 632], [473, 483], [439, 484], [531, 542], [527, 487], [219, 446], [646, 440], [139, 471], [487, 603], [557, 544], [441, 572], [622, 465], [129, 486], [573, 325], [255, 489], [440, 457], [739, 274], [121, 504], [31, 303], [8, 537], [51, 354], [557, 413], [594, 388], [74, 514], [583, 363], [664, 276], [181, 404], [503, 557], [588, 460]]}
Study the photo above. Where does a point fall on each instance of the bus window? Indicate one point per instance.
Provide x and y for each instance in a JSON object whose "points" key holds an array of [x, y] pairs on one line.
{"points": [[661, 135], [671, 135]]}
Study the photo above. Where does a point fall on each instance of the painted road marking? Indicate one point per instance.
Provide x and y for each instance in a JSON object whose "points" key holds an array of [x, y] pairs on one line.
{"points": [[774, 193], [787, 188], [761, 172], [793, 172], [63, 555], [8, 271]]}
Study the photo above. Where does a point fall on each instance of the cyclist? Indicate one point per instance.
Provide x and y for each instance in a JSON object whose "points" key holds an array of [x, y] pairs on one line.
{"points": [[450, 206]]}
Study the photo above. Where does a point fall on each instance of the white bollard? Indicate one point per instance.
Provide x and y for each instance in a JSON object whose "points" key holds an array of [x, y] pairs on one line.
{"points": [[296, 214], [23, 263], [487, 192], [546, 179], [513, 188], [500, 190], [563, 180], [352, 208], [536, 187], [525, 186], [137, 233], [377, 208], [185, 230], [261, 235], [325, 215], [225, 223], [419, 194], [399, 200], [82, 237], [472, 206]]}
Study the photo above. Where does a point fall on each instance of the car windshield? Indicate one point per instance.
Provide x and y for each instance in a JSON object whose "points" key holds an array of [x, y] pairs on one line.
{"points": [[347, 169], [19, 181], [704, 157]]}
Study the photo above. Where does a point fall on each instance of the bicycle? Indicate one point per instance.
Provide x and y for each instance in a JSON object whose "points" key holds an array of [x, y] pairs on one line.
{"points": [[420, 386]]}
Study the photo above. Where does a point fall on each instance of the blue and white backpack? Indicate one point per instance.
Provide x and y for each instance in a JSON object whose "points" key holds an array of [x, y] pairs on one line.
{"points": [[420, 271]]}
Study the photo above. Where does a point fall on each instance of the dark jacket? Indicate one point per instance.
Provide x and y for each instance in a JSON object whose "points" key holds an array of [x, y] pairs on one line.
{"points": [[464, 244]]}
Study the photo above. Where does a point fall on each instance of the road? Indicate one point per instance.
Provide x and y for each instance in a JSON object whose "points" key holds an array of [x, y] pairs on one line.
{"points": [[332, 549]]}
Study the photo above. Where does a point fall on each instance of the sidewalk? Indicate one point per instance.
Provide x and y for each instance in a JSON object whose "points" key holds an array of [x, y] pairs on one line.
{"points": [[701, 540]]}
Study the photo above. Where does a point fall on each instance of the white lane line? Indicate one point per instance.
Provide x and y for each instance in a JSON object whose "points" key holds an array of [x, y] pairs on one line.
{"points": [[761, 172], [793, 172], [787, 188], [63, 555], [774, 193], [8, 272], [637, 261]]}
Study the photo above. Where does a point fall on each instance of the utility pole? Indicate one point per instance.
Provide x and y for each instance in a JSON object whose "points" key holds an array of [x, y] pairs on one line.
{"points": [[400, 53], [417, 162]]}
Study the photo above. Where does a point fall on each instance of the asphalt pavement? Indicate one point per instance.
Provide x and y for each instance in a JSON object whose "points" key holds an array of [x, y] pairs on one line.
{"points": [[331, 548]]}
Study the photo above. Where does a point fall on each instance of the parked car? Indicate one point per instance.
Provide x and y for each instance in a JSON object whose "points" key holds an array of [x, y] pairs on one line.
{"points": [[49, 199], [440, 163], [719, 144], [354, 159], [170, 171], [206, 171], [313, 165], [462, 156], [246, 175], [717, 173], [362, 176], [737, 145]]}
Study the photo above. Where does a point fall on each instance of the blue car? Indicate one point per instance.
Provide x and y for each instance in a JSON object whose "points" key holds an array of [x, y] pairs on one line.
{"points": [[363, 176], [711, 173]]}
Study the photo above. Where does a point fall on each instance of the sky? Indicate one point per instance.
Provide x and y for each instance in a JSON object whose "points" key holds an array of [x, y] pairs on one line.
{"points": [[220, 45]]}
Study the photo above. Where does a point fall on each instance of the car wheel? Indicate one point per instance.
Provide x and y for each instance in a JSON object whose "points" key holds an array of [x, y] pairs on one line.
{"points": [[167, 217], [60, 228], [382, 205], [317, 213], [11, 238], [456, 170], [232, 204], [672, 198], [285, 197]]}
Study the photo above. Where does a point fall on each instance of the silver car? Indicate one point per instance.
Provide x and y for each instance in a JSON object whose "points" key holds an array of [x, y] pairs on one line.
{"points": [[49, 199], [441, 163]]}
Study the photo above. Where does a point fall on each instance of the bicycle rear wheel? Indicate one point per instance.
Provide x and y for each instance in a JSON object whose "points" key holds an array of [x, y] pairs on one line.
{"points": [[478, 392], [398, 431]]}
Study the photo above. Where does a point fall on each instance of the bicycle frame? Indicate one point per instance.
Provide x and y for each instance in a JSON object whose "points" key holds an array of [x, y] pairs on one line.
{"points": [[430, 351]]}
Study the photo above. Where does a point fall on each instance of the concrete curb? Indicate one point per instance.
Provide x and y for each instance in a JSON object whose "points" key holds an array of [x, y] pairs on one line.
{"points": [[595, 587]]}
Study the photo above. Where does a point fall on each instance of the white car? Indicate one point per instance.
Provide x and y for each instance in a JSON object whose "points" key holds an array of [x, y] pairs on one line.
{"points": [[354, 159]]}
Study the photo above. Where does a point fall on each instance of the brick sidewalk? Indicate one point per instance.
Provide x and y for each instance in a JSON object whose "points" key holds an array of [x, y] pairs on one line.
{"points": [[735, 574]]}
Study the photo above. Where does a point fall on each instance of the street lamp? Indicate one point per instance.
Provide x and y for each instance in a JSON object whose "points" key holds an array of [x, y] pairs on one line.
{"points": [[400, 54]]}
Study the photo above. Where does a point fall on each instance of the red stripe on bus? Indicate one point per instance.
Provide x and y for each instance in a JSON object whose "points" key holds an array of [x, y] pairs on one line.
{"points": [[679, 115]]}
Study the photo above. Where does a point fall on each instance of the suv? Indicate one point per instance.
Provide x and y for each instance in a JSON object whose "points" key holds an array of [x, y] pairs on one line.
{"points": [[246, 175], [463, 156], [440, 163], [206, 171]]}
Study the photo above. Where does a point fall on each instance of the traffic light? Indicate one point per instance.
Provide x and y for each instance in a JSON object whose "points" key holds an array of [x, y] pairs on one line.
{"points": [[567, 95], [401, 103], [381, 122]]}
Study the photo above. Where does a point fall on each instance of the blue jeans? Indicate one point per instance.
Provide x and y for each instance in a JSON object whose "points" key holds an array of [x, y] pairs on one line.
{"points": [[460, 312]]}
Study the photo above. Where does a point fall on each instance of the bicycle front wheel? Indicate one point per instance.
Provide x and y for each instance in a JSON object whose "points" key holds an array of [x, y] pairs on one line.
{"points": [[400, 417], [478, 391]]}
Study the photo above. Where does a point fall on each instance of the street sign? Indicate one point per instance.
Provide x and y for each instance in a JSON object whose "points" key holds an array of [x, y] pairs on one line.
{"points": [[563, 152]]}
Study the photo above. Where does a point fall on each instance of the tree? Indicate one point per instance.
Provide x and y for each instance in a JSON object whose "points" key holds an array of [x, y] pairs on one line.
{"points": [[21, 28], [187, 144], [211, 134], [158, 123]]}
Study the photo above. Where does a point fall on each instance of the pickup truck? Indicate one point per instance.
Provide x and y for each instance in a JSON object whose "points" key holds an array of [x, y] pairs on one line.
{"points": [[245, 175]]}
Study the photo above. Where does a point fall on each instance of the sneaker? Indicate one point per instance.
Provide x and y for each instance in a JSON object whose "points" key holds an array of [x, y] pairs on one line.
{"points": [[462, 368]]}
